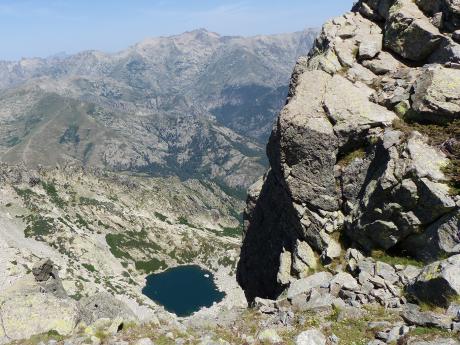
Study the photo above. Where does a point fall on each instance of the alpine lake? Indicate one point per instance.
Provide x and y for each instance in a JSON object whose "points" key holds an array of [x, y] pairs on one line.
{"points": [[183, 290]]}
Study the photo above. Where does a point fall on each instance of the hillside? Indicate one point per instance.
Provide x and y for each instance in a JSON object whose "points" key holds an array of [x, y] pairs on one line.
{"points": [[106, 231], [196, 105]]}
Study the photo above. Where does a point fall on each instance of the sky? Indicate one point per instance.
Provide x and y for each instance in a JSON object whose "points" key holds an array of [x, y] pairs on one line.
{"points": [[40, 28]]}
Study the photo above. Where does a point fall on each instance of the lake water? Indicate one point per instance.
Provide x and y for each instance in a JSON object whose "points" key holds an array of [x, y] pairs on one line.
{"points": [[183, 290]]}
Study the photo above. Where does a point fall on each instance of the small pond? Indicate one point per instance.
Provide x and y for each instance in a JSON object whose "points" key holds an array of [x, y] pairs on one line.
{"points": [[183, 290]]}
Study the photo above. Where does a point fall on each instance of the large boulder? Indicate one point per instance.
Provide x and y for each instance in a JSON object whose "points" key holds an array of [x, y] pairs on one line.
{"points": [[311, 337], [104, 306], [403, 192], [440, 239], [47, 277], [304, 142], [350, 111], [26, 310], [307, 284], [437, 94], [413, 315], [438, 283], [409, 33]]}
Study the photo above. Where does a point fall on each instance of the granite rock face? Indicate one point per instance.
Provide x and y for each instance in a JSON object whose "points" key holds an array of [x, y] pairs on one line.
{"points": [[342, 171], [438, 283]]}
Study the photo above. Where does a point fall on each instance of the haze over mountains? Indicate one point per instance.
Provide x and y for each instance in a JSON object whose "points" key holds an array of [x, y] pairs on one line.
{"points": [[193, 105]]}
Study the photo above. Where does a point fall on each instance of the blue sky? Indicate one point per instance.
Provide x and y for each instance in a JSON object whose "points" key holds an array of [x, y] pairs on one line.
{"points": [[43, 27]]}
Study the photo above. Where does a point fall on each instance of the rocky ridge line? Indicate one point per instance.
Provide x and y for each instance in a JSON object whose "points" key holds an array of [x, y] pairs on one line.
{"points": [[346, 167]]}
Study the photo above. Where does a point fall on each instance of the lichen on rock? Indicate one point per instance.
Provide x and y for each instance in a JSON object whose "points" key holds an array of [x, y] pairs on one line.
{"points": [[341, 173]]}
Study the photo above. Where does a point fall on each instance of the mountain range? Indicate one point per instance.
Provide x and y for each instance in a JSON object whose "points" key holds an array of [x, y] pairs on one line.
{"points": [[195, 105]]}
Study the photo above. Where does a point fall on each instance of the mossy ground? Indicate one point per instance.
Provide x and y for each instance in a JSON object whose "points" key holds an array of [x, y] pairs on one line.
{"points": [[395, 260]]}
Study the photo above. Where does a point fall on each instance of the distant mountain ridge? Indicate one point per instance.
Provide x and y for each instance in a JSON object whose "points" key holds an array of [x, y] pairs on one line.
{"points": [[192, 105]]}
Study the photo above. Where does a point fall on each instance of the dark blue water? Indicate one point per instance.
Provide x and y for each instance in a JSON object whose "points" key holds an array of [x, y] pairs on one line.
{"points": [[183, 290]]}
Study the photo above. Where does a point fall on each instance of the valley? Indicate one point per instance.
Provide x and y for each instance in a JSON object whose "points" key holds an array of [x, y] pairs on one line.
{"points": [[139, 203], [195, 105], [107, 232]]}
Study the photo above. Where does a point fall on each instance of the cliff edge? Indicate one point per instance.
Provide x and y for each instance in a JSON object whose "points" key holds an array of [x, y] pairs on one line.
{"points": [[365, 152]]}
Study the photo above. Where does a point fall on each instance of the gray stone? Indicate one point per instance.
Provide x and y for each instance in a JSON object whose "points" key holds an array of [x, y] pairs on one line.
{"points": [[440, 239], [438, 276], [350, 313], [25, 312], [344, 280], [284, 272], [376, 342], [265, 306], [454, 311], [384, 63], [369, 48], [311, 337], [456, 36], [104, 305], [367, 265], [430, 7], [350, 110], [414, 316], [448, 54], [320, 301], [303, 123], [307, 284], [395, 333], [299, 302], [48, 279], [386, 271], [304, 259], [437, 94], [409, 33]]}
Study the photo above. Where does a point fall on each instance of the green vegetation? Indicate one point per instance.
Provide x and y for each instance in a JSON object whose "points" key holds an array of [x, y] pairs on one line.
{"points": [[122, 244], [428, 333], [89, 267], [150, 266], [232, 232], [70, 136], [184, 221], [44, 338], [160, 216], [9, 204], [237, 193], [88, 201], [347, 159], [380, 255], [81, 221], [356, 331], [38, 226], [51, 191], [25, 194], [115, 241]]}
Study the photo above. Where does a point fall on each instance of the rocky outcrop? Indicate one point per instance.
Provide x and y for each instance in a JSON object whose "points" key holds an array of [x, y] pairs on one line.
{"points": [[438, 283], [104, 306], [38, 304], [47, 277], [342, 171]]}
